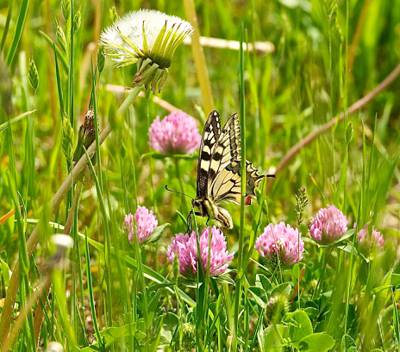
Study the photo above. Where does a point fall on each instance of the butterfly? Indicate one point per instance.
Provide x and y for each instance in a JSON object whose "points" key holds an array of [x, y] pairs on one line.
{"points": [[218, 170]]}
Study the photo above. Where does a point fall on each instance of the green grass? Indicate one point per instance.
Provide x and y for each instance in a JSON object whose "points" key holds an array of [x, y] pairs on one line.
{"points": [[115, 295]]}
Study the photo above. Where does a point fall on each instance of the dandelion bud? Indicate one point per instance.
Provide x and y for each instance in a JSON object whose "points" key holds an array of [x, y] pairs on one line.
{"points": [[87, 134]]}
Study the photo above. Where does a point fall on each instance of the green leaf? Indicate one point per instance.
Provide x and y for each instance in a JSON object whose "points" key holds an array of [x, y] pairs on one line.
{"points": [[318, 342], [23, 10], [263, 281], [156, 234], [395, 279], [272, 338], [258, 294], [281, 289], [299, 325]]}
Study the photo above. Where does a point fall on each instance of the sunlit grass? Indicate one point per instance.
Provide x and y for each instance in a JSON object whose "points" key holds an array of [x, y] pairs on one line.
{"points": [[113, 294]]}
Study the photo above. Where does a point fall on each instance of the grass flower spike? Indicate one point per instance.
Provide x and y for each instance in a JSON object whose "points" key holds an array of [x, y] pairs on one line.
{"points": [[374, 239], [149, 39], [184, 248], [328, 225], [143, 223], [281, 241], [176, 133]]}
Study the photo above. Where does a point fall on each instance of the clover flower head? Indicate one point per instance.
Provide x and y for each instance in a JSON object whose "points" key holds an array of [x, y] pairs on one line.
{"points": [[282, 242], [143, 223], [214, 259], [148, 38], [328, 225], [176, 133], [374, 239]]}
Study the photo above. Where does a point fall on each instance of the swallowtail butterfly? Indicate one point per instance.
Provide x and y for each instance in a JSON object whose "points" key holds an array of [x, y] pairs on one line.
{"points": [[218, 170]]}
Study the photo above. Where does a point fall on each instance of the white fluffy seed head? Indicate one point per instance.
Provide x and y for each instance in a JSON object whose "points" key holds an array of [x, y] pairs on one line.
{"points": [[62, 240], [137, 36]]}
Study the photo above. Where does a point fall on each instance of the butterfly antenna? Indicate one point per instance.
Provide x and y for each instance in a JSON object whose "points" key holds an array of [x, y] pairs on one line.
{"points": [[177, 192], [270, 175]]}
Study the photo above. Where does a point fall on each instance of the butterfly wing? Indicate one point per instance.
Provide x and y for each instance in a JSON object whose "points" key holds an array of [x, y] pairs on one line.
{"points": [[227, 184], [211, 134], [225, 177]]}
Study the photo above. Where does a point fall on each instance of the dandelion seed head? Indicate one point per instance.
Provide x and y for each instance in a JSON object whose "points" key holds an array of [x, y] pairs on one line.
{"points": [[148, 38], [176, 133], [215, 258], [328, 225], [281, 241], [135, 35]]}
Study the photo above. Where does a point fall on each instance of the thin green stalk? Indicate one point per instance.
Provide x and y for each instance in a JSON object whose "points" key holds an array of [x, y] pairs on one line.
{"points": [[322, 265], [71, 65], [91, 297], [5, 125], [181, 188], [142, 283], [241, 267]]}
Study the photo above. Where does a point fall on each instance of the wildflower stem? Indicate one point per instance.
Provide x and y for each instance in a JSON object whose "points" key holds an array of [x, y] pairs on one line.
{"points": [[182, 190], [241, 269], [55, 202]]}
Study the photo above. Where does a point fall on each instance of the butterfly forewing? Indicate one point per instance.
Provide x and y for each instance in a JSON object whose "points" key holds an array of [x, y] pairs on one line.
{"points": [[211, 134]]}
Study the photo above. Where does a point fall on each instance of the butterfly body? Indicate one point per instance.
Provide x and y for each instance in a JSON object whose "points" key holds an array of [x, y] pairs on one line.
{"points": [[219, 170]]}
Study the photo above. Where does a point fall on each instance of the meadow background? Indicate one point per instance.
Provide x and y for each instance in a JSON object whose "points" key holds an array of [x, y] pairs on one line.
{"points": [[113, 295]]}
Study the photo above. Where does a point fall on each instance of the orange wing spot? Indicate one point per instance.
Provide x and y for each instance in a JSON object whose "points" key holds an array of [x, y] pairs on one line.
{"points": [[6, 216], [247, 200]]}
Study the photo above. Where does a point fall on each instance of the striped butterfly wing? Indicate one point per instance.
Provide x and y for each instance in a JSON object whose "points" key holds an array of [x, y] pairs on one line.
{"points": [[225, 182], [218, 168], [211, 134], [225, 166]]}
